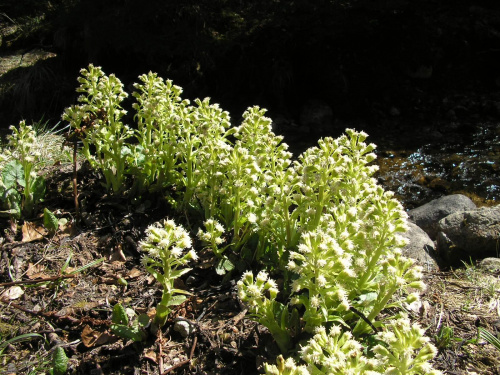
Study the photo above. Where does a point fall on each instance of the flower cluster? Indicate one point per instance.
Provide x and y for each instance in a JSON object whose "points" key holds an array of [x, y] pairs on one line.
{"points": [[403, 349], [165, 246]]}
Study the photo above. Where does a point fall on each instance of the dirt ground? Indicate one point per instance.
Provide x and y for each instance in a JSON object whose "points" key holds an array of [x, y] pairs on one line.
{"points": [[64, 286]]}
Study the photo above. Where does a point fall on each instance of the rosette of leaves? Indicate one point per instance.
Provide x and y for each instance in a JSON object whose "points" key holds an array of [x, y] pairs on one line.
{"points": [[122, 327], [165, 248]]}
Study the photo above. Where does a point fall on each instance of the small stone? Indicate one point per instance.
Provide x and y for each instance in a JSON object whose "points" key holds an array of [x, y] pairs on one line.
{"points": [[183, 327]]}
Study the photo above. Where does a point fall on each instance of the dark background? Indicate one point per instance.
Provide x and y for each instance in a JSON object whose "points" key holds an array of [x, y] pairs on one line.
{"points": [[361, 57]]}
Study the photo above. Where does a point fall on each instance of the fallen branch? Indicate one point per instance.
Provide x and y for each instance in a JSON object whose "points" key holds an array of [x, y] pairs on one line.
{"points": [[64, 319], [36, 281]]}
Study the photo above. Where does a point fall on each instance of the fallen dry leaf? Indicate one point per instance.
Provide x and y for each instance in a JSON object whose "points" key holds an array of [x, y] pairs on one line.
{"points": [[36, 271], [92, 338], [31, 232], [14, 292], [151, 355], [134, 273]]}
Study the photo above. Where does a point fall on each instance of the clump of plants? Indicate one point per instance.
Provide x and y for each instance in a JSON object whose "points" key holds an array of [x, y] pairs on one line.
{"points": [[320, 224], [21, 188]]}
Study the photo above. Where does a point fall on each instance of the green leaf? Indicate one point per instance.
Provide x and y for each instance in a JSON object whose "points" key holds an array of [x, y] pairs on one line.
{"points": [[119, 315], [176, 300], [50, 221], [59, 362], [367, 298], [224, 265], [143, 320], [489, 337], [12, 201], [178, 273], [13, 175], [38, 189], [126, 332]]}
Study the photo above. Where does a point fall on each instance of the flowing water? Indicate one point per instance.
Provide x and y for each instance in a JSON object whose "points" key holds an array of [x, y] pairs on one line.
{"points": [[468, 163]]}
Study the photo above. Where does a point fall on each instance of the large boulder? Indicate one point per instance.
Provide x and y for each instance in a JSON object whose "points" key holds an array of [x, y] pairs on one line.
{"points": [[490, 264], [470, 234], [421, 248], [428, 215]]}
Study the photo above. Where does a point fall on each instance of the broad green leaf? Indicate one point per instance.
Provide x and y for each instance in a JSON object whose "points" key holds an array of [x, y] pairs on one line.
{"points": [[127, 332], [224, 265], [38, 189], [13, 175], [176, 300], [59, 362], [50, 221], [119, 315], [143, 320]]}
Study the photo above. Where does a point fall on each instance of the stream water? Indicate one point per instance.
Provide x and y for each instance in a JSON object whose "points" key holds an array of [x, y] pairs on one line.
{"points": [[467, 163]]}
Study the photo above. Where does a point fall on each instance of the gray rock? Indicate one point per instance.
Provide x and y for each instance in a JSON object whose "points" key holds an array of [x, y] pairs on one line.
{"points": [[470, 234], [490, 264], [421, 248], [428, 215]]}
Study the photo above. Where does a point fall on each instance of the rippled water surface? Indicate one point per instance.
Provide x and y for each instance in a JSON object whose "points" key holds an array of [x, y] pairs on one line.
{"points": [[468, 163]]}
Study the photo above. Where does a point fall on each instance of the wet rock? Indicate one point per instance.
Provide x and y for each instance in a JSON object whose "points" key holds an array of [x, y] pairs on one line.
{"points": [[470, 234], [428, 215], [490, 264], [421, 248]]}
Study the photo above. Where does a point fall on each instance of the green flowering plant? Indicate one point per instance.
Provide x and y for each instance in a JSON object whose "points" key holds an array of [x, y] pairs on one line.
{"points": [[159, 113], [20, 173], [259, 295], [319, 223], [402, 350], [343, 247], [165, 246], [97, 122]]}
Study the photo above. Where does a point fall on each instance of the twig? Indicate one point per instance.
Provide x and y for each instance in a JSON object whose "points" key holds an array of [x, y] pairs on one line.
{"points": [[362, 316], [36, 281], [75, 182], [160, 352], [176, 366], [66, 319], [185, 362], [191, 353]]}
